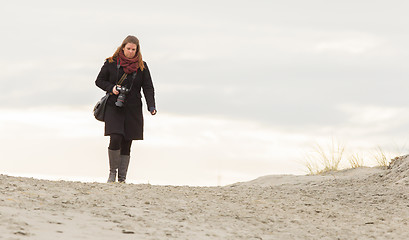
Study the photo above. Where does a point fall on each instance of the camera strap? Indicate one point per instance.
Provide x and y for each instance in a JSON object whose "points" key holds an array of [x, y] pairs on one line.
{"points": [[122, 79], [133, 78]]}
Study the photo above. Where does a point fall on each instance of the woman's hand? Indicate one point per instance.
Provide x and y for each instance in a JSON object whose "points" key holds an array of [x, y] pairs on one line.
{"points": [[114, 91], [153, 112]]}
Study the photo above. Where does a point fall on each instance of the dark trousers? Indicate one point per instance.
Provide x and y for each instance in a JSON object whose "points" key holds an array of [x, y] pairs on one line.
{"points": [[118, 142]]}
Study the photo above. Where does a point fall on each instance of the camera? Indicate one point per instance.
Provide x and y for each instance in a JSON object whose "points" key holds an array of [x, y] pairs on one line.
{"points": [[122, 95]]}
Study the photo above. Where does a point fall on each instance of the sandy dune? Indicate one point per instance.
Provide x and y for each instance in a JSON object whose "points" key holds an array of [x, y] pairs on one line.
{"points": [[365, 203]]}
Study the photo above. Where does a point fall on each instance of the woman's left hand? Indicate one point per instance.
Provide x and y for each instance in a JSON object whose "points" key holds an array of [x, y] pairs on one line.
{"points": [[153, 112]]}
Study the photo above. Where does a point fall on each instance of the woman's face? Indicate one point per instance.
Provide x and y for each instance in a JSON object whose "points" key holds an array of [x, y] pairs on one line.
{"points": [[129, 50]]}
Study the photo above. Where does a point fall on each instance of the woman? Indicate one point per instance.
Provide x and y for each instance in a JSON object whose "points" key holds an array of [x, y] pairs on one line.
{"points": [[123, 75]]}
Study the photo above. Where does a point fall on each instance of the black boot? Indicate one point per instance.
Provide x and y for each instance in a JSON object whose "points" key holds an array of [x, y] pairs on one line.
{"points": [[123, 168], [114, 161]]}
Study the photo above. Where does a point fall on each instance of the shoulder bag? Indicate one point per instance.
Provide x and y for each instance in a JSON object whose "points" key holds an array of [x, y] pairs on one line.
{"points": [[99, 108]]}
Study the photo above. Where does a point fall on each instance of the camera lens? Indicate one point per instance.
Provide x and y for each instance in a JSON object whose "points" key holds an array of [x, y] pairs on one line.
{"points": [[122, 95]]}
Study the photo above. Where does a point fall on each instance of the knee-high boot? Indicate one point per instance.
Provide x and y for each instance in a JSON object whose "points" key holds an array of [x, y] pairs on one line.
{"points": [[114, 162], [123, 168]]}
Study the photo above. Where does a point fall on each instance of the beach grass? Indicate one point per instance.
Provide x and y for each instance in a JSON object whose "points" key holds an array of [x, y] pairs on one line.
{"points": [[325, 158], [356, 160], [381, 157]]}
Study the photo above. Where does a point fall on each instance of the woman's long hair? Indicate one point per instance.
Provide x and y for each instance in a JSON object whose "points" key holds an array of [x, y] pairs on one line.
{"points": [[129, 39]]}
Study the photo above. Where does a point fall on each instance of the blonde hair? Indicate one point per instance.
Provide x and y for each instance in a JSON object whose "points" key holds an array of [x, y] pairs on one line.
{"points": [[129, 39]]}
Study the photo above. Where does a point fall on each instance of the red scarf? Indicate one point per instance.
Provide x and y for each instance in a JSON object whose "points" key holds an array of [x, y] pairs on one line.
{"points": [[130, 65]]}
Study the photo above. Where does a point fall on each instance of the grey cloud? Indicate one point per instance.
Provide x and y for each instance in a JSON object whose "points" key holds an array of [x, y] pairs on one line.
{"points": [[257, 61]]}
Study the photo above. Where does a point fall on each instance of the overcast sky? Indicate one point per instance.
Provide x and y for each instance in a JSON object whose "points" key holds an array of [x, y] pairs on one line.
{"points": [[243, 87]]}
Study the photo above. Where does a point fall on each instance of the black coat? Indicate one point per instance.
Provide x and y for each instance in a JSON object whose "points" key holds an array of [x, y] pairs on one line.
{"points": [[126, 120]]}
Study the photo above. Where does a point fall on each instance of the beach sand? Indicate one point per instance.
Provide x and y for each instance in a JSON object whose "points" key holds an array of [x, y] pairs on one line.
{"points": [[363, 203]]}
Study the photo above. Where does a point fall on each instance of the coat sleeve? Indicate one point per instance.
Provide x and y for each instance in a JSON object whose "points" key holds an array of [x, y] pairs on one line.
{"points": [[148, 89], [102, 80]]}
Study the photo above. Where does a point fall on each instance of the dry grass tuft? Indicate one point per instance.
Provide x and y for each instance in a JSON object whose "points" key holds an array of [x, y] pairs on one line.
{"points": [[381, 157], [356, 160], [325, 159], [322, 159]]}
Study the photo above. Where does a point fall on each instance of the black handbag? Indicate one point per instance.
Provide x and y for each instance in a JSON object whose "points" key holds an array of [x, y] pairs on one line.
{"points": [[99, 109]]}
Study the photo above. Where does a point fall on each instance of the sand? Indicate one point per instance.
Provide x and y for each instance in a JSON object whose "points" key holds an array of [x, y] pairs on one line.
{"points": [[363, 203]]}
